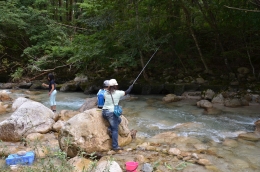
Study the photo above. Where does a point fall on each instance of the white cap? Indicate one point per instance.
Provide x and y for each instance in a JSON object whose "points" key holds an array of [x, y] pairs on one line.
{"points": [[112, 82], [106, 83]]}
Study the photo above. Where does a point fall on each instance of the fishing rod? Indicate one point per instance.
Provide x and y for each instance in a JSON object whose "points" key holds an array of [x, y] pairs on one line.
{"points": [[146, 65]]}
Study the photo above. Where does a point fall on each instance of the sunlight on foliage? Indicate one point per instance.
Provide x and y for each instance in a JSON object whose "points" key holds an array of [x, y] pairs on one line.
{"points": [[17, 74]]}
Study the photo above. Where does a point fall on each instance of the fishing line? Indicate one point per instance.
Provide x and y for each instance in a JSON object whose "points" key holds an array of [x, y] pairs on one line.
{"points": [[146, 65]]}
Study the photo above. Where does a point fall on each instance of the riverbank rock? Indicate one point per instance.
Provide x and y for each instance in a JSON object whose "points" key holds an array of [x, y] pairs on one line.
{"points": [[3, 107], [65, 115], [89, 104], [29, 117], [208, 94], [70, 86], [171, 98], [257, 127], [249, 136], [192, 95], [80, 164], [18, 102], [236, 102], [4, 96], [218, 99], [87, 131], [7, 85], [204, 104], [108, 166]]}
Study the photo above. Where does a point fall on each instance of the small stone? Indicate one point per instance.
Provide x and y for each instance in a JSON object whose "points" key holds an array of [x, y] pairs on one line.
{"points": [[164, 150], [186, 158], [140, 158], [147, 167], [129, 149], [21, 153], [184, 154], [194, 155], [174, 151], [151, 148], [204, 162]]}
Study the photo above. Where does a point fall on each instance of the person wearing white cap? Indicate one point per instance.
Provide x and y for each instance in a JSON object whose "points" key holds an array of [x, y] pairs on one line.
{"points": [[100, 95], [112, 97]]}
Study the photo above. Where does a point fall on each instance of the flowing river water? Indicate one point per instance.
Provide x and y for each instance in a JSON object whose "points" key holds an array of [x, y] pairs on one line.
{"points": [[150, 116]]}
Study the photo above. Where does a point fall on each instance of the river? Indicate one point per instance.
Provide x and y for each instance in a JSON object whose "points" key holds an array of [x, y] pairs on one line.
{"points": [[150, 115]]}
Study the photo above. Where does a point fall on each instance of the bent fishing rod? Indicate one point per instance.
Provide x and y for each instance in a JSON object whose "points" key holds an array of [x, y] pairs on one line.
{"points": [[146, 64]]}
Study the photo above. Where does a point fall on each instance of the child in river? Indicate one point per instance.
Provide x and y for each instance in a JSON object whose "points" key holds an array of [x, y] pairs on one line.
{"points": [[52, 91]]}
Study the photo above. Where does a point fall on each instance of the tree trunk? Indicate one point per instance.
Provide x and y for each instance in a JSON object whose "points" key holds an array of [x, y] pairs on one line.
{"points": [[248, 55], [71, 11], [60, 11], [188, 17], [67, 11], [186, 71], [212, 22], [138, 35]]}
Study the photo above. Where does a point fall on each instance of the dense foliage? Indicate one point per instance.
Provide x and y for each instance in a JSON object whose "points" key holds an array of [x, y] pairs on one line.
{"points": [[97, 37]]}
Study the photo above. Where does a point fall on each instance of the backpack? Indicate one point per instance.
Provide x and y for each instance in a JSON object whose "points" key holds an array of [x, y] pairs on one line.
{"points": [[100, 98]]}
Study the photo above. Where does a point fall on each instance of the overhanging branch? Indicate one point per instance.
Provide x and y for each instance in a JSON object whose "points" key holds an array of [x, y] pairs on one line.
{"points": [[241, 9], [48, 70]]}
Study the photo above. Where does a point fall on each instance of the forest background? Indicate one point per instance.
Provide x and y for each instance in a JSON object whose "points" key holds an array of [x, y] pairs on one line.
{"points": [[115, 38]]}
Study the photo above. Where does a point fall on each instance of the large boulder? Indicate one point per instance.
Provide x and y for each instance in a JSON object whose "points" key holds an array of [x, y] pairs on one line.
{"points": [[87, 131], [65, 115], [29, 117], [18, 102], [89, 104], [37, 84], [7, 85], [236, 102], [70, 86], [204, 104], [208, 94], [218, 99]]}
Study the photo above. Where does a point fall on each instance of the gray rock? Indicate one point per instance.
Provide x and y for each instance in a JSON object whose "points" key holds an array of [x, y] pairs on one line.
{"points": [[147, 167], [218, 99], [235, 102], [208, 94], [89, 104], [204, 104], [108, 166], [29, 117]]}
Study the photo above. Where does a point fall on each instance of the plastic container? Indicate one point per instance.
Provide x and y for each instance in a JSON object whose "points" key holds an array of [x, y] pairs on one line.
{"points": [[131, 166], [26, 159]]}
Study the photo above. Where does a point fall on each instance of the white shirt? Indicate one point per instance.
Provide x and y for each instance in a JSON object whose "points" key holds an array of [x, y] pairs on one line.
{"points": [[108, 99]]}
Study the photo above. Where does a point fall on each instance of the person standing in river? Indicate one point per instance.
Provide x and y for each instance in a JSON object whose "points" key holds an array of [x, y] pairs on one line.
{"points": [[52, 91], [112, 97]]}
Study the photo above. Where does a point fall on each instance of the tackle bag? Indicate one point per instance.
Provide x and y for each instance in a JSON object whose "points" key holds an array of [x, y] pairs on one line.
{"points": [[117, 109]]}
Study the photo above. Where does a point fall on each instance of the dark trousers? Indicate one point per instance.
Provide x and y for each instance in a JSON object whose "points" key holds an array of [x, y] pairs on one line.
{"points": [[114, 122]]}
